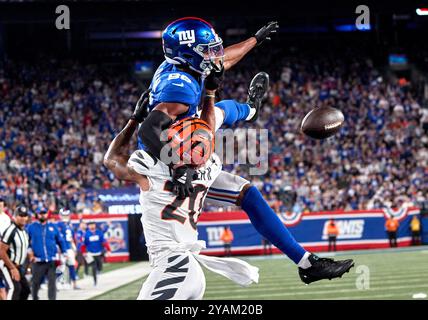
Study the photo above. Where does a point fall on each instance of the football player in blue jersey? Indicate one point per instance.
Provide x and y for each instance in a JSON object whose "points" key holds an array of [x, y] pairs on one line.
{"points": [[193, 53], [67, 232]]}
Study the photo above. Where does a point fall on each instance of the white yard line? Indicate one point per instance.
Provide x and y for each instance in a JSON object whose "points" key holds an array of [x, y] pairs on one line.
{"points": [[106, 282]]}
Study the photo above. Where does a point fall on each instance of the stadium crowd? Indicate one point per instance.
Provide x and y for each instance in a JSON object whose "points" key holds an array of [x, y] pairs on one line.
{"points": [[57, 119]]}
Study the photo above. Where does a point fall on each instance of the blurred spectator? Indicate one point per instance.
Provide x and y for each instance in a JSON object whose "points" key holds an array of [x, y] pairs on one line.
{"points": [[332, 233], [97, 207], [267, 246], [415, 228], [391, 226], [227, 238]]}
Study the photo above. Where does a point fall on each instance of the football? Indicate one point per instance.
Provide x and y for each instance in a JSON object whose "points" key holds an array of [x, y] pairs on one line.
{"points": [[322, 122]]}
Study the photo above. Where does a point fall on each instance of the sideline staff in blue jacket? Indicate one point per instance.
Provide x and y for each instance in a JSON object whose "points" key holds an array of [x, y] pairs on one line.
{"points": [[44, 238], [95, 244]]}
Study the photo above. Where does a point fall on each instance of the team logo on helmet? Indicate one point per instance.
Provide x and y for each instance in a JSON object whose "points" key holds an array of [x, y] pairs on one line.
{"points": [[186, 37]]}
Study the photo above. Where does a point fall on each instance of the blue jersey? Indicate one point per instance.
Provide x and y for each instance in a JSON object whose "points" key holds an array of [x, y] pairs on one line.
{"points": [[66, 232], [172, 85], [94, 241]]}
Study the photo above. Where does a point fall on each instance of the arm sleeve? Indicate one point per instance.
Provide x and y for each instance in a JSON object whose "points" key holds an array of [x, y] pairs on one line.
{"points": [[173, 91], [151, 129]]}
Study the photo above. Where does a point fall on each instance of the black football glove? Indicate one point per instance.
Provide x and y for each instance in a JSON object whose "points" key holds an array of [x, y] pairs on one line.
{"points": [[265, 32], [182, 178], [215, 78], [141, 111]]}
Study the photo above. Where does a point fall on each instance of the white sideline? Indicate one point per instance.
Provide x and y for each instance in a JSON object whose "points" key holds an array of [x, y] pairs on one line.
{"points": [[106, 282]]}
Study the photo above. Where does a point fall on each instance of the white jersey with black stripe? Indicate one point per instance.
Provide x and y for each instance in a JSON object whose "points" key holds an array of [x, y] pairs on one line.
{"points": [[165, 218], [17, 240]]}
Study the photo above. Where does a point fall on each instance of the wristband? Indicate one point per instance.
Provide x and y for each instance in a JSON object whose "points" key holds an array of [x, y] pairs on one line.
{"points": [[210, 95]]}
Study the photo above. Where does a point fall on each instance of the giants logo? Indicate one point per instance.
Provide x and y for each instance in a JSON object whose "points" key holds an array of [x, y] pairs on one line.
{"points": [[348, 229], [186, 37], [214, 234]]}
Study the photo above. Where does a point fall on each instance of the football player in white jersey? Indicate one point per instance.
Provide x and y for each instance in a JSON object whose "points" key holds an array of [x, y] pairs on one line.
{"points": [[169, 221]]}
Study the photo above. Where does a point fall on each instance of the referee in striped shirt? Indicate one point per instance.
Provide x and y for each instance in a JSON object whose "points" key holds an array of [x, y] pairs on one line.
{"points": [[13, 252]]}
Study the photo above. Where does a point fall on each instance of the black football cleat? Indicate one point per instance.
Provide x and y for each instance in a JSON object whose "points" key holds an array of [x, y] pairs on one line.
{"points": [[258, 88], [324, 268]]}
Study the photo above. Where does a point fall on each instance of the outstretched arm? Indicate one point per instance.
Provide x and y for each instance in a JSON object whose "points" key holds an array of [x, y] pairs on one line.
{"points": [[117, 154], [234, 53]]}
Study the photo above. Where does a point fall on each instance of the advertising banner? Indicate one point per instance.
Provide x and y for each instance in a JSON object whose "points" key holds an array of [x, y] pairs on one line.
{"points": [[120, 200], [357, 230]]}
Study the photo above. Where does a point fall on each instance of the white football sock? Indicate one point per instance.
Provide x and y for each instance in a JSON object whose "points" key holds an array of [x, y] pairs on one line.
{"points": [[304, 263], [251, 113]]}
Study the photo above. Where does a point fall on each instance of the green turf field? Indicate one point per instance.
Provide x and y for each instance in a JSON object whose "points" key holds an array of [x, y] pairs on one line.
{"points": [[393, 274]]}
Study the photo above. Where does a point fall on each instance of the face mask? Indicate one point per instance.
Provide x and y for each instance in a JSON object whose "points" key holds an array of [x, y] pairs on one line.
{"points": [[42, 219]]}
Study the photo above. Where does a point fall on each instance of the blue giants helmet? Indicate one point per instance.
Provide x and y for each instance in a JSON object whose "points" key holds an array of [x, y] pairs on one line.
{"points": [[194, 43]]}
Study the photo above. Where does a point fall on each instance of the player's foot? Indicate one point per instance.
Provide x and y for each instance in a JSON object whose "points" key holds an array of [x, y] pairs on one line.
{"points": [[258, 88], [324, 268]]}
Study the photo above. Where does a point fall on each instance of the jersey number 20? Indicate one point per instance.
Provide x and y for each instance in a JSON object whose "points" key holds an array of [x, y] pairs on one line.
{"points": [[196, 197]]}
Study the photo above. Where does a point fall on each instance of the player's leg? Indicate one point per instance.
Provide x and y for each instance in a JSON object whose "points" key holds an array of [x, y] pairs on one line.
{"points": [[9, 281], [232, 111], [71, 261], [51, 270], [93, 266], [25, 286], [231, 189], [38, 271], [177, 277]]}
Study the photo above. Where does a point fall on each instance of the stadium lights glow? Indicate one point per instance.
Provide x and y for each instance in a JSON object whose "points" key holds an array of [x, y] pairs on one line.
{"points": [[155, 34], [422, 11]]}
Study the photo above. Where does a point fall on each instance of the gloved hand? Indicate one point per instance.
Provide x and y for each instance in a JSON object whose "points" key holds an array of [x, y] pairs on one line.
{"points": [[182, 178], [265, 32], [141, 111], [215, 78]]}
